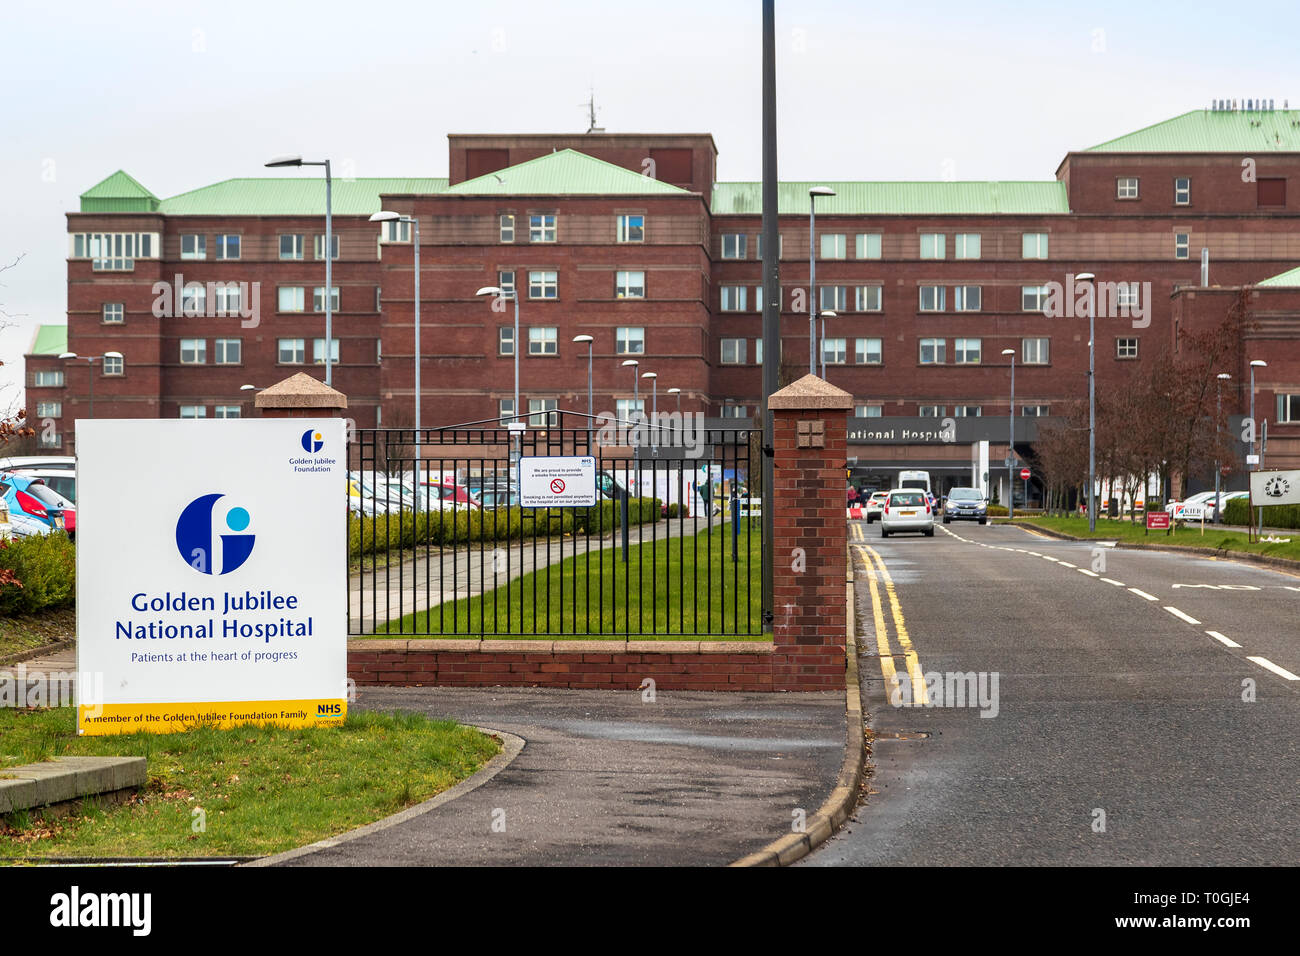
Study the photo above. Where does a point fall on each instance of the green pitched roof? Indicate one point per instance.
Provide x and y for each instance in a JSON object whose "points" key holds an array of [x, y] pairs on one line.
{"points": [[564, 173], [118, 193], [299, 196], [49, 340], [1214, 131], [1289, 279], [933, 198]]}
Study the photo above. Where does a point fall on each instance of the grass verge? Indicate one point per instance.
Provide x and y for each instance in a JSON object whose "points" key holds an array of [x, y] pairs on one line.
{"points": [[1186, 537], [25, 632], [261, 789]]}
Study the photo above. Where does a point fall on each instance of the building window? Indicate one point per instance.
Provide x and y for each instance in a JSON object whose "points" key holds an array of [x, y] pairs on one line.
{"points": [[194, 351], [52, 379], [50, 439], [543, 285], [318, 299], [834, 351], [1182, 245], [506, 340], [867, 351], [1126, 294], [291, 247], [1033, 298], [541, 228], [834, 298], [834, 246], [1034, 351], [1034, 245], [227, 411], [867, 245], [967, 298], [867, 298], [758, 299], [49, 409], [227, 298], [194, 411], [629, 340], [1182, 191], [543, 412], [113, 313], [966, 245], [1126, 348], [394, 230], [733, 298], [194, 299], [114, 365], [1034, 411], [114, 251], [194, 247], [507, 227], [631, 228], [1270, 192], [733, 351], [542, 340], [319, 246], [291, 352], [758, 351], [629, 410], [228, 247], [967, 411], [506, 410], [290, 298], [629, 285], [506, 282], [932, 245], [966, 351], [734, 411], [1288, 408], [780, 246], [932, 411], [228, 351], [868, 411], [318, 351], [1126, 187], [932, 351], [733, 246], [932, 298]]}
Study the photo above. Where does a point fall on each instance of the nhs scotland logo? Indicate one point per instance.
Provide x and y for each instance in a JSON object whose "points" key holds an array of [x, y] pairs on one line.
{"points": [[195, 536]]}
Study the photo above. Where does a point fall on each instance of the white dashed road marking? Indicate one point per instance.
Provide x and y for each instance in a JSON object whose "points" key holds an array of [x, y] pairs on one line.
{"points": [[1118, 584], [1143, 594], [1226, 642], [1180, 615], [1265, 663], [1091, 574]]}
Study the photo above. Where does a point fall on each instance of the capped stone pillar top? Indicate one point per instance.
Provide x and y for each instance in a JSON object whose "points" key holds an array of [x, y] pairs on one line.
{"points": [[300, 396], [810, 393]]}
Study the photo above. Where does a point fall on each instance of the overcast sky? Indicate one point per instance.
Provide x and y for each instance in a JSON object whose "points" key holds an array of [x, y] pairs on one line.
{"points": [[182, 93]]}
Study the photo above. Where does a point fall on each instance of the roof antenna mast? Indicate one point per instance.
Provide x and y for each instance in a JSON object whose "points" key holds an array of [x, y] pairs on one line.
{"points": [[591, 114]]}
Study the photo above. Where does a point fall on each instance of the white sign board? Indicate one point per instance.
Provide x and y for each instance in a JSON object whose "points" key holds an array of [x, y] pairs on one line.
{"points": [[557, 482], [211, 573], [1266, 488]]}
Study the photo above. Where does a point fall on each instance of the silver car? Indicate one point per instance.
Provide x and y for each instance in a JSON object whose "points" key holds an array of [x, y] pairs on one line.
{"points": [[965, 504], [907, 510]]}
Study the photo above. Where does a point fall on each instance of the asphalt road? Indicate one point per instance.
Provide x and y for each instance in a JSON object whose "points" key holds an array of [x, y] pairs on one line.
{"points": [[1120, 730]]}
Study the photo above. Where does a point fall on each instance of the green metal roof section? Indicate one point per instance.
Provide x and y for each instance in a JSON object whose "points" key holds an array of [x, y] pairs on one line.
{"points": [[566, 172], [1285, 280], [49, 340], [300, 196], [899, 199], [1214, 131], [118, 193]]}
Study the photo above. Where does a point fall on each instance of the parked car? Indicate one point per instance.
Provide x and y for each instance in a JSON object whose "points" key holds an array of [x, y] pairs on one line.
{"points": [[35, 508], [447, 490], [1180, 509], [362, 499], [966, 504], [907, 511], [875, 505], [62, 480], [6, 529]]}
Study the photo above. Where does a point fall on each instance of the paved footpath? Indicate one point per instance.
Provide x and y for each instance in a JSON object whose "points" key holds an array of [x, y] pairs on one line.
{"points": [[606, 778]]}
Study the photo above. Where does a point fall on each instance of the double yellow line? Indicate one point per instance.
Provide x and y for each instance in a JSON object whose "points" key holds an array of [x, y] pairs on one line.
{"points": [[875, 573]]}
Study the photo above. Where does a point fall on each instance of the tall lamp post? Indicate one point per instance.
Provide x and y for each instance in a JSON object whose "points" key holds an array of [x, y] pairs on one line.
{"points": [[824, 315], [280, 161], [1092, 404], [91, 359], [415, 227], [812, 273], [654, 409], [1254, 429], [636, 400], [579, 339], [1218, 437], [678, 393], [1011, 441]]}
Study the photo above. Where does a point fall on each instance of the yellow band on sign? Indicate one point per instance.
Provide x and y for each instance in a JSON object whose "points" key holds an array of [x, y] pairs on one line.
{"points": [[103, 719]]}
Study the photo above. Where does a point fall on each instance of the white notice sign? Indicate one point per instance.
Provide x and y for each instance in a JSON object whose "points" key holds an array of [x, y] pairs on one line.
{"points": [[557, 482], [1274, 488]]}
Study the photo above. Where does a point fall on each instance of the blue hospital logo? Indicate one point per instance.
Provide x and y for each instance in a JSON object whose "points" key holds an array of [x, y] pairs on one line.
{"points": [[312, 441], [195, 536]]}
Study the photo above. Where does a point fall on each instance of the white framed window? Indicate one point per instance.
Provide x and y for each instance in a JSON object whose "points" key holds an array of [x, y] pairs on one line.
{"points": [[506, 340], [194, 247], [194, 299], [543, 340], [543, 285], [227, 411], [1033, 298], [507, 226], [49, 409], [319, 245], [1182, 245], [1033, 245], [226, 298], [194, 411], [733, 245], [506, 282], [290, 298], [967, 411], [629, 340], [228, 246], [541, 228], [868, 411], [866, 245], [932, 411], [51, 379], [732, 297], [932, 351], [758, 299], [932, 298], [1126, 348], [291, 351], [629, 410], [966, 245], [114, 251], [1034, 411], [113, 313], [933, 245], [833, 298], [967, 351], [967, 298], [629, 285], [1034, 351], [318, 351], [1182, 191], [291, 247], [1126, 295], [543, 412], [394, 230], [50, 439], [228, 351], [506, 410], [114, 365], [1288, 408], [867, 298], [733, 351], [631, 228], [834, 351], [318, 299], [834, 246], [734, 411], [194, 351], [867, 351], [1126, 187]]}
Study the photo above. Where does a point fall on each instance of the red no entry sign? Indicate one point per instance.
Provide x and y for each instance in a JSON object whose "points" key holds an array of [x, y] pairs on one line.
{"points": [[557, 485], [1024, 474]]}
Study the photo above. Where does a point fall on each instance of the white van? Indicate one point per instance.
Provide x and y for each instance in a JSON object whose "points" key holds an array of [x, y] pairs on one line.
{"points": [[914, 479]]}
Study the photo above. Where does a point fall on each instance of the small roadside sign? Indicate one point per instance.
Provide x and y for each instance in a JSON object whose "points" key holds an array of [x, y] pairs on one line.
{"points": [[1024, 474], [1158, 520], [567, 481]]}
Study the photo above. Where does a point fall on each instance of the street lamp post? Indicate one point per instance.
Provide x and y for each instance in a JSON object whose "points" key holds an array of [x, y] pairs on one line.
{"points": [[1092, 405], [678, 393], [589, 340], [824, 315], [1011, 441], [812, 273], [1218, 437], [91, 360], [415, 226], [636, 399], [654, 409], [1254, 430], [329, 253], [513, 294]]}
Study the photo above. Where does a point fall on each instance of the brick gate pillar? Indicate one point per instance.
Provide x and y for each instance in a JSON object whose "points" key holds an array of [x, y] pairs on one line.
{"points": [[810, 534], [300, 396]]}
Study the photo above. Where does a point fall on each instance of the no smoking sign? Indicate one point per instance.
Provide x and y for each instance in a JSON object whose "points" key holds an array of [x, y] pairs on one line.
{"points": [[567, 481]]}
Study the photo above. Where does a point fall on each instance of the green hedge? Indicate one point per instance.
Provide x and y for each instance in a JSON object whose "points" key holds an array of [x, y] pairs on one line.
{"points": [[46, 567], [374, 535], [1237, 511]]}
